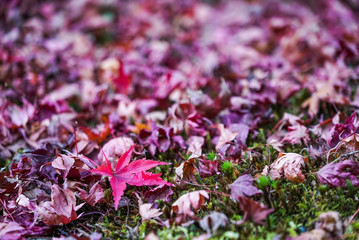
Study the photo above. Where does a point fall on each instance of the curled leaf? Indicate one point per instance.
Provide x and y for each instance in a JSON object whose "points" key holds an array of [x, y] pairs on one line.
{"points": [[288, 165], [183, 206]]}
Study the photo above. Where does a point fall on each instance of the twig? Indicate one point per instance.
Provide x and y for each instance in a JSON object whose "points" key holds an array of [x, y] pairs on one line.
{"points": [[351, 219], [346, 155], [198, 185], [7, 210]]}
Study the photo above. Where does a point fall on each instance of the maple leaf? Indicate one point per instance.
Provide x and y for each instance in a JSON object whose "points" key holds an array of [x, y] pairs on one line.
{"points": [[163, 192], [11, 230], [343, 130], [62, 208], [226, 135], [296, 134], [183, 206], [98, 135], [347, 145], [253, 211], [337, 174], [187, 170], [133, 173], [289, 165], [243, 186], [147, 211]]}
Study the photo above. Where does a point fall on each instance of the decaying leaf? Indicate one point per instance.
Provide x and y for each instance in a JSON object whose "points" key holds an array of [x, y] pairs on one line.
{"points": [[115, 148], [187, 170], [289, 165], [63, 163], [163, 192], [226, 135], [183, 206], [243, 186], [346, 145], [296, 134]]}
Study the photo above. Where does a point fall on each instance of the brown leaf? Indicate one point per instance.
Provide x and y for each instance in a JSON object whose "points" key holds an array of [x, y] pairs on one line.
{"points": [[183, 206], [328, 226], [187, 170]]}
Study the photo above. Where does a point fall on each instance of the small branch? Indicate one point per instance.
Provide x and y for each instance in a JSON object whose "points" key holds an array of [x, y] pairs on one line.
{"points": [[7, 210], [351, 219], [345, 155]]}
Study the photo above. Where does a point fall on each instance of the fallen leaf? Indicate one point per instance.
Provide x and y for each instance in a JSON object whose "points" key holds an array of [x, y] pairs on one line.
{"points": [[243, 186], [115, 148], [133, 173], [62, 208], [163, 192], [95, 195], [226, 135], [337, 174], [187, 170], [195, 144], [296, 134], [331, 224], [147, 211], [213, 221], [289, 165], [11, 230], [253, 211], [183, 206], [63, 163]]}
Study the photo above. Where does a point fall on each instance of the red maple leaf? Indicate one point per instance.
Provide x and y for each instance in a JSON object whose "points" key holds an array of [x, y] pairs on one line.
{"points": [[133, 173]]}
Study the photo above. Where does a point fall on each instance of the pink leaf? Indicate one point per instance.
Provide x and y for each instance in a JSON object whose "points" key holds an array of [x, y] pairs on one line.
{"points": [[131, 173]]}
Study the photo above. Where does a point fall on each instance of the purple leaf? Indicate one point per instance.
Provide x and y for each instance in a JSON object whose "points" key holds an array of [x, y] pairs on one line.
{"points": [[243, 186], [337, 174]]}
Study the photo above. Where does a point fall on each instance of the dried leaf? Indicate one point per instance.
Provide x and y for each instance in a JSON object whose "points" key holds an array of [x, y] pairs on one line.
{"points": [[289, 165], [63, 163], [147, 211], [187, 170], [183, 206]]}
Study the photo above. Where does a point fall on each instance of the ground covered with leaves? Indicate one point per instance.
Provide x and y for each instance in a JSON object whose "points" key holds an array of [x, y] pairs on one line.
{"points": [[179, 119]]}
